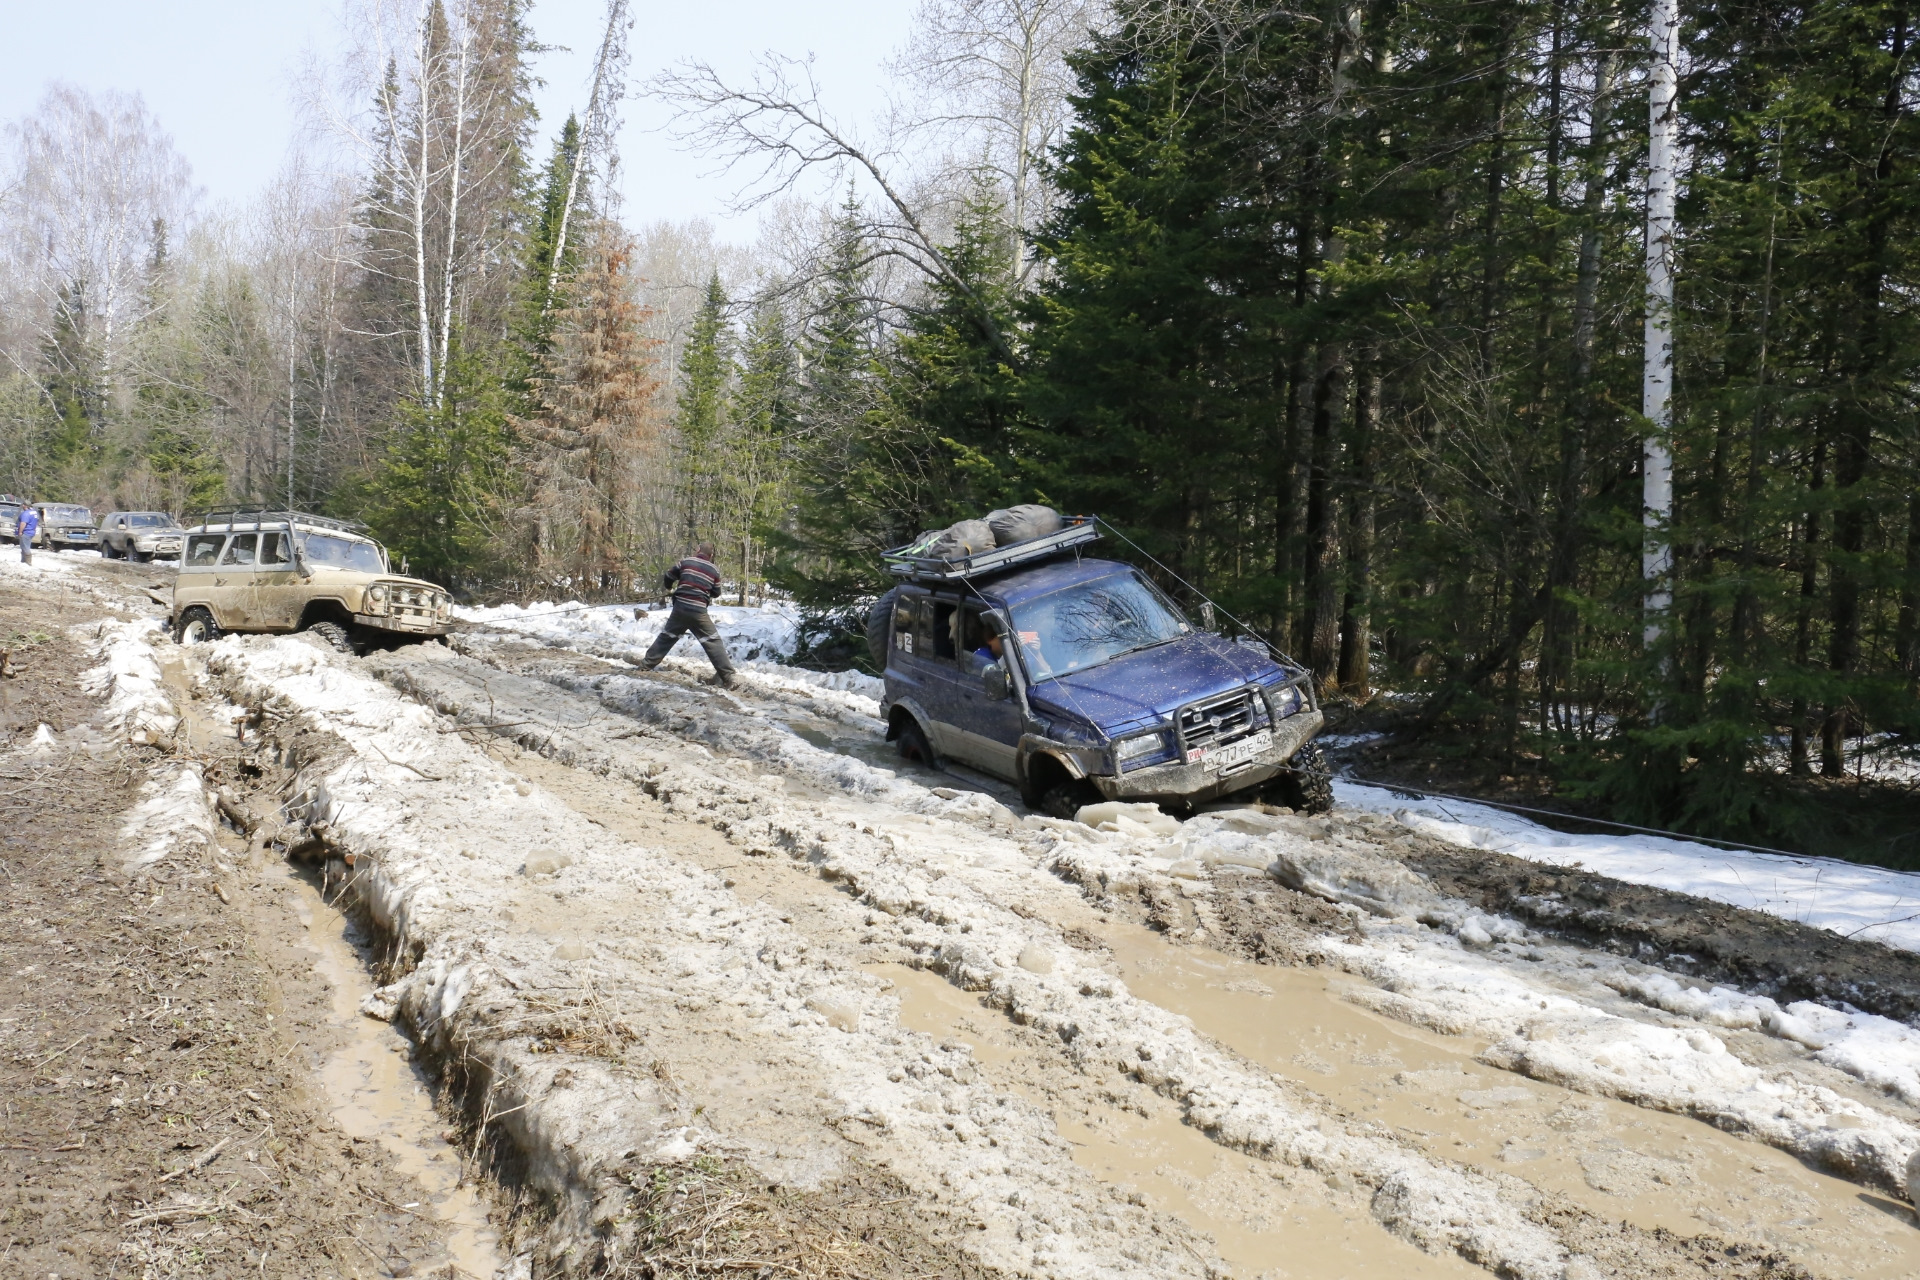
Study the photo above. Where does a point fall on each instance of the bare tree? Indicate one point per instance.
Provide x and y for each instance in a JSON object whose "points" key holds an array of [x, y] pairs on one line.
{"points": [[993, 76], [780, 130], [94, 182]]}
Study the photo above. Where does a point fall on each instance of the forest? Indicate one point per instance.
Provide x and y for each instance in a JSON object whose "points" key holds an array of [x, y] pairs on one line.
{"points": [[1338, 312]]}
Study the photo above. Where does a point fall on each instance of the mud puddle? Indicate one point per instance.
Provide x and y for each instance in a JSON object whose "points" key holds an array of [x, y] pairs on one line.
{"points": [[1621, 1162], [374, 1092], [1269, 1222]]}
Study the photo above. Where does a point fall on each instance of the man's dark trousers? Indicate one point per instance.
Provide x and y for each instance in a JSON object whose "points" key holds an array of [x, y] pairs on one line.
{"points": [[681, 621]]}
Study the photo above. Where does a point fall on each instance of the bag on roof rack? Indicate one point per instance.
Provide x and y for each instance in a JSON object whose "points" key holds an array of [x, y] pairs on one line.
{"points": [[1023, 523], [959, 540]]}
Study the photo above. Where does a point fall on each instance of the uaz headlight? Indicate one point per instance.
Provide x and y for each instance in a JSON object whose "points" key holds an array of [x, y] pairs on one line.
{"points": [[377, 598]]}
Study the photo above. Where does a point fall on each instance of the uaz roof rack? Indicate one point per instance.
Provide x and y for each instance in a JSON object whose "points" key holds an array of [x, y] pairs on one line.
{"points": [[258, 516], [1077, 531]]}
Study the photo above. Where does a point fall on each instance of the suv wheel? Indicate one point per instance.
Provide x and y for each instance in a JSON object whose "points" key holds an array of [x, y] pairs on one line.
{"points": [[912, 745], [335, 635], [196, 626], [1065, 799], [107, 552], [1307, 785]]}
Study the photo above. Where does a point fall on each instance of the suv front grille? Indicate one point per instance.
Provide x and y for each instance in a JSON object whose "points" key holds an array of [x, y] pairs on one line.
{"points": [[1215, 722]]}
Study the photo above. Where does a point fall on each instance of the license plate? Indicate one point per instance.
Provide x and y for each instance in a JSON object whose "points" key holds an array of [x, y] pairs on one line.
{"points": [[1238, 752]]}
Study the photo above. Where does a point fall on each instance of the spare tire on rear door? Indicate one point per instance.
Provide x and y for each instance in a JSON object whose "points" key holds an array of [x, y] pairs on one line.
{"points": [[880, 628]]}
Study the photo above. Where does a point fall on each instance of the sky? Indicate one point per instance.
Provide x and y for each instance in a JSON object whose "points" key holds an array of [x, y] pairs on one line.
{"points": [[221, 76]]}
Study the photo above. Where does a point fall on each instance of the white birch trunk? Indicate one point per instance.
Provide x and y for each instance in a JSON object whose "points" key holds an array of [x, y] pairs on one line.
{"points": [[455, 168], [420, 177], [1663, 120]]}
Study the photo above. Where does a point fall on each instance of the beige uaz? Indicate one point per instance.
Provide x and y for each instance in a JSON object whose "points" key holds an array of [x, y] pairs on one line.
{"points": [[280, 571]]}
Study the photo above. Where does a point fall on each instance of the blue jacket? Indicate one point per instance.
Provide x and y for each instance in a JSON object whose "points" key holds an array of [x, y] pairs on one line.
{"points": [[29, 524]]}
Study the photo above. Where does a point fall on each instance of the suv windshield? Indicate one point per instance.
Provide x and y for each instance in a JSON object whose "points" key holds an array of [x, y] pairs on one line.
{"points": [[149, 520], [69, 513], [1093, 622], [326, 552]]}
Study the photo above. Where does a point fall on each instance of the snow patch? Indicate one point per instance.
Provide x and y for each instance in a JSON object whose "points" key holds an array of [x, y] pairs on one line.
{"points": [[173, 816], [1847, 898], [129, 678]]}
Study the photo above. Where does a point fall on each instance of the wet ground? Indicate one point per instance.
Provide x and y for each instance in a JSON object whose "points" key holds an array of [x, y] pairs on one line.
{"points": [[166, 1038], [752, 997]]}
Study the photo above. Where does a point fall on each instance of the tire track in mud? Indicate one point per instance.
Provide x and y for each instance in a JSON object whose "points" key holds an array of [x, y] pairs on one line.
{"points": [[673, 712]]}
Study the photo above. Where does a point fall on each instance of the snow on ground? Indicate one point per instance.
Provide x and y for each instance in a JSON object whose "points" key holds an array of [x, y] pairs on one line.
{"points": [[173, 816], [1853, 900], [1554, 1012], [946, 890], [129, 677], [46, 564], [757, 640], [765, 632]]}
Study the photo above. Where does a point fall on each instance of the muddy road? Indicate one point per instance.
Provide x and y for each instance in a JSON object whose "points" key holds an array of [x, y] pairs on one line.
{"points": [[687, 979]]}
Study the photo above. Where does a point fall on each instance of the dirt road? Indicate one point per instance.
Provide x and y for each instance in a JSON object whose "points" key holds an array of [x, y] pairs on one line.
{"points": [[705, 980]]}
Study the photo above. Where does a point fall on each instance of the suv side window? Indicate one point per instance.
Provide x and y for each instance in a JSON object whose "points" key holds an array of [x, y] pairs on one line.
{"points": [[273, 549], [906, 623], [241, 550], [939, 629], [203, 549]]}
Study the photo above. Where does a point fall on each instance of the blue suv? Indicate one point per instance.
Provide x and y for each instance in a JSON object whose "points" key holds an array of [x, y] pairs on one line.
{"points": [[1077, 680]]}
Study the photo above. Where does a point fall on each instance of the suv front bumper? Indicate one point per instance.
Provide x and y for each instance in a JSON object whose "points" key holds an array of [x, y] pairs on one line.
{"points": [[402, 624], [1180, 783]]}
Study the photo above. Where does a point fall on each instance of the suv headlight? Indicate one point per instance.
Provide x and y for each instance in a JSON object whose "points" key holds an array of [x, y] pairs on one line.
{"points": [[1138, 749], [377, 598]]}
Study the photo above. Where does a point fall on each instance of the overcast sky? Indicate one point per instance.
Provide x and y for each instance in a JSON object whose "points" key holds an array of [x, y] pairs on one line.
{"points": [[219, 74]]}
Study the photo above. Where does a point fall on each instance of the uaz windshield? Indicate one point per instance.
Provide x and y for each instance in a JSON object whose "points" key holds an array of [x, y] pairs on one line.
{"points": [[324, 552], [1093, 622]]}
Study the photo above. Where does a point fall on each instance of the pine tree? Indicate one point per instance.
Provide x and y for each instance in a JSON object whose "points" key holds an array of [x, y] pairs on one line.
{"points": [[701, 420], [596, 394]]}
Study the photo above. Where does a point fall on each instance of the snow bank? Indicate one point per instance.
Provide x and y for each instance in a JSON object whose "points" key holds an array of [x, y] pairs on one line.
{"points": [[173, 816], [129, 678], [766, 632], [1849, 899]]}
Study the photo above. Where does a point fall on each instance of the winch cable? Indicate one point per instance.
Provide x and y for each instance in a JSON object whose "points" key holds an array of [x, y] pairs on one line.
{"points": [[1423, 793]]}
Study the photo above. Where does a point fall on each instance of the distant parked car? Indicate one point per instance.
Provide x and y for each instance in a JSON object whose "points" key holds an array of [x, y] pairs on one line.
{"points": [[10, 517], [140, 535], [65, 527]]}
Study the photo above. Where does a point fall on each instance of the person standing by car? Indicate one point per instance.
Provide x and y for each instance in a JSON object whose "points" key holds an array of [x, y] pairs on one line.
{"points": [[694, 582], [26, 530]]}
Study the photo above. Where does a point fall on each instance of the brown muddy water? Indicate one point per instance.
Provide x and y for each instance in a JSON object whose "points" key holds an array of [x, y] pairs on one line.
{"points": [[1621, 1162], [374, 1091]]}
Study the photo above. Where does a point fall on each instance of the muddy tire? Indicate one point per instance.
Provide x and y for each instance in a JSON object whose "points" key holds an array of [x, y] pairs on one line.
{"points": [[141, 557], [335, 635], [1307, 784], [107, 552], [196, 626], [1065, 799], [913, 746], [880, 628]]}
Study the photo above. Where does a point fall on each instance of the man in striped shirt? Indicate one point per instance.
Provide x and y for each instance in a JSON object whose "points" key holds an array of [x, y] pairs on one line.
{"points": [[694, 582]]}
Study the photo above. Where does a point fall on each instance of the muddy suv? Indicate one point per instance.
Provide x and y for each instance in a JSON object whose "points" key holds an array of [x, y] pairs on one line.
{"points": [[1078, 681], [140, 536], [283, 571]]}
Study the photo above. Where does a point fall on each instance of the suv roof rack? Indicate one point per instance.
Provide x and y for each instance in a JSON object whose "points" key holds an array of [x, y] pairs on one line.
{"points": [[257, 516], [1077, 531]]}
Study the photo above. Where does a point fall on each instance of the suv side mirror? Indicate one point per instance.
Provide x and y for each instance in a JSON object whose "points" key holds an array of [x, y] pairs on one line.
{"points": [[995, 678]]}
